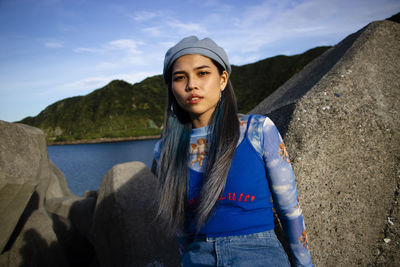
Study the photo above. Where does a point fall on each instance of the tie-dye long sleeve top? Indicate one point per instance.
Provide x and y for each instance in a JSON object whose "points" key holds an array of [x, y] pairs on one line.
{"points": [[267, 142], [266, 139]]}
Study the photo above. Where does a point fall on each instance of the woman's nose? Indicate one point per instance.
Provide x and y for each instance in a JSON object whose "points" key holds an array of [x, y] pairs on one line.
{"points": [[192, 84]]}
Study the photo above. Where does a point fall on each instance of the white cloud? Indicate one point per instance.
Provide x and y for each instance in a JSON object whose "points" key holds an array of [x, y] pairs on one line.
{"points": [[264, 26], [153, 31], [273, 163], [167, 44], [144, 16], [282, 189], [124, 45], [54, 44], [90, 50], [295, 213], [287, 197], [187, 28]]}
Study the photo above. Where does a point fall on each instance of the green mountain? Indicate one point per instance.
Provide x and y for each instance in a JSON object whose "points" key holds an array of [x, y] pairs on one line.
{"points": [[120, 109]]}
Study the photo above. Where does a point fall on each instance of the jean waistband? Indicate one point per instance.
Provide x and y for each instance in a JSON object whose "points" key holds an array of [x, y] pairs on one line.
{"points": [[263, 234]]}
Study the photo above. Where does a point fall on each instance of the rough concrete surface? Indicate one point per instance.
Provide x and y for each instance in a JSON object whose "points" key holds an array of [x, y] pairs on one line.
{"points": [[19, 173], [124, 230], [343, 137], [13, 200], [36, 227], [37, 246], [58, 185]]}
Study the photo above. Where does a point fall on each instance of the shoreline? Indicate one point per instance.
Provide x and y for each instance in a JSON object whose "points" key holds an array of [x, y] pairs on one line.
{"points": [[104, 140]]}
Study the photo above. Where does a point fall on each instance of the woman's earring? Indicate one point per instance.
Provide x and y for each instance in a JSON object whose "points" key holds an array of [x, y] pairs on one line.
{"points": [[172, 110]]}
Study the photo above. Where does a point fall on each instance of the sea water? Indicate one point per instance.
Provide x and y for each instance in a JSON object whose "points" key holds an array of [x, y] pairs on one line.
{"points": [[84, 165]]}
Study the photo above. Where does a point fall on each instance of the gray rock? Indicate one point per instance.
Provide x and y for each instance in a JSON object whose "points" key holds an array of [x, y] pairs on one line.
{"points": [[342, 131], [72, 219], [21, 153], [37, 245], [58, 185], [38, 213], [124, 231], [13, 200], [388, 253], [21, 167], [78, 211]]}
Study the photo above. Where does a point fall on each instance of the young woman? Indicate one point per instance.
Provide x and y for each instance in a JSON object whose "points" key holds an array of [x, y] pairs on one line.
{"points": [[218, 170]]}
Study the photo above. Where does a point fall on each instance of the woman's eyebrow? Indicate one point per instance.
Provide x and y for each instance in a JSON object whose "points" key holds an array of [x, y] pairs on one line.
{"points": [[202, 67], [196, 68], [178, 72]]}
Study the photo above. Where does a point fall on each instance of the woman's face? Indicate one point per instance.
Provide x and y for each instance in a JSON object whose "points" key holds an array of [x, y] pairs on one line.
{"points": [[197, 85]]}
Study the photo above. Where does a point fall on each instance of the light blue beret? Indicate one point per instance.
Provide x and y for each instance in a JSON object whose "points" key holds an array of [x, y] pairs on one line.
{"points": [[192, 45]]}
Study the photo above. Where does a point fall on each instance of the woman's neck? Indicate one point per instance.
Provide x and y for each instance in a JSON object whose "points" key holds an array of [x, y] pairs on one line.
{"points": [[199, 123], [203, 119]]}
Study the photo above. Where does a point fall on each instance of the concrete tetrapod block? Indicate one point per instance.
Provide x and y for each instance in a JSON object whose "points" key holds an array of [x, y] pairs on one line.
{"points": [[124, 230], [343, 136], [13, 200], [22, 157], [36, 246], [77, 210], [58, 185], [34, 193]]}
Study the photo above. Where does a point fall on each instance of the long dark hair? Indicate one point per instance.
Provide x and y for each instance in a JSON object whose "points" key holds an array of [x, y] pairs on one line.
{"points": [[172, 168]]}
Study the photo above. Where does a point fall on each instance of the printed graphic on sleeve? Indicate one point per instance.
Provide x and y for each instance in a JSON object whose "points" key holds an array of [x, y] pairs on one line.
{"points": [[242, 120], [198, 151], [304, 239], [283, 152]]}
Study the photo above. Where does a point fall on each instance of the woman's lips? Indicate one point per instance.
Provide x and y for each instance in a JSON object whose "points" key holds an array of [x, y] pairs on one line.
{"points": [[194, 99]]}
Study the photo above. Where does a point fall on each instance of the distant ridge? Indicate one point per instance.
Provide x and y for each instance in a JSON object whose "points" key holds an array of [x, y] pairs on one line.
{"points": [[122, 110], [119, 109]]}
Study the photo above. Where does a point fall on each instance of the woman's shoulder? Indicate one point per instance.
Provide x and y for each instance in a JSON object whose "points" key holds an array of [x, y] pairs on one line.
{"points": [[252, 126], [255, 120]]}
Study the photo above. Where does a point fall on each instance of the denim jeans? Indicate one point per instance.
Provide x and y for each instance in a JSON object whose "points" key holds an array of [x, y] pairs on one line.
{"points": [[259, 249]]}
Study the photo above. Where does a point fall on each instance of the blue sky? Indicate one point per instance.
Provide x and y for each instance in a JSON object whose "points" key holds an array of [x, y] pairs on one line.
{"points": [[54, 49]]}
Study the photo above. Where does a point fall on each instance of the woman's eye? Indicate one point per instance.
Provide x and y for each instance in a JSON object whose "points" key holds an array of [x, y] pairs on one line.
{"points": [[202, 73], [178, 78]]}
